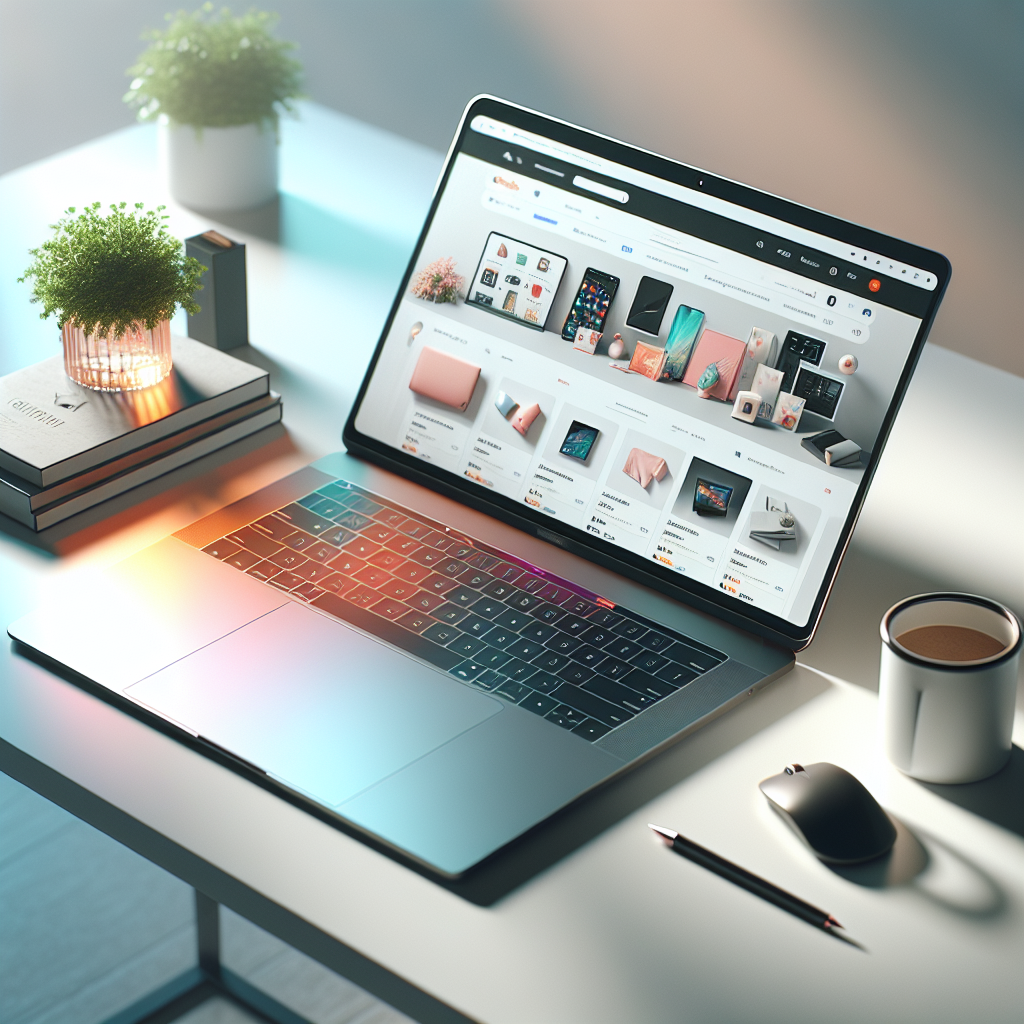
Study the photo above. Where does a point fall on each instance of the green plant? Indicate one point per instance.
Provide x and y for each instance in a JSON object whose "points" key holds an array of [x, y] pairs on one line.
{"points": [[107, 273], [214, 70]]}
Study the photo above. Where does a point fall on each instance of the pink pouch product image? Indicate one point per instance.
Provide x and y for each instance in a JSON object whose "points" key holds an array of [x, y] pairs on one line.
{"points": [[644, 467], [525, 417], [444, 378], [727, 353]]}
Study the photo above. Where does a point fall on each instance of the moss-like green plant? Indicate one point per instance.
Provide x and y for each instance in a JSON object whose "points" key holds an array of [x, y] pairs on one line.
{"points": [[107, 273], [211, 69]]}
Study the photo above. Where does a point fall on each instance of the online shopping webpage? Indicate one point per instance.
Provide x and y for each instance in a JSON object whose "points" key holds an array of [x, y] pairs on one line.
{"points": [[702, 407]]}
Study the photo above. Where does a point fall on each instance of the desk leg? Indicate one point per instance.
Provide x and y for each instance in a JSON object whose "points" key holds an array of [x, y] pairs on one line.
{"points": [[208, 979]]}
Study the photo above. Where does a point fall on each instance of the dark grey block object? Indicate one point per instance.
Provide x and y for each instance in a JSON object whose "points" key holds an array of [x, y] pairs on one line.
{"points": [[223, 320]]}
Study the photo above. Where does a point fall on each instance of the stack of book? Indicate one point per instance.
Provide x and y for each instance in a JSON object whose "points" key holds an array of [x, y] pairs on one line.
{"points": [[65, 448]]}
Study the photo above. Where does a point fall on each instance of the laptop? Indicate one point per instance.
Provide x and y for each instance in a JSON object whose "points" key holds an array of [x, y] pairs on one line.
{"points": [[596, 486]]}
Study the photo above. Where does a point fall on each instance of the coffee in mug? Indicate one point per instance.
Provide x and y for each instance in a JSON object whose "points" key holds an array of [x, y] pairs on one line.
{"points": [[947, 686]]}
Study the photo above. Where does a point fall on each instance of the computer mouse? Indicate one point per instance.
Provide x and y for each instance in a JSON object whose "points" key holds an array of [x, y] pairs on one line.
{"points": [[831, 811]]}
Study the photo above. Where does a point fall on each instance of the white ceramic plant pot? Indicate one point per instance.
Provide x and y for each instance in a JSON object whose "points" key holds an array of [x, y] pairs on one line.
{"points": [[219, 168]]}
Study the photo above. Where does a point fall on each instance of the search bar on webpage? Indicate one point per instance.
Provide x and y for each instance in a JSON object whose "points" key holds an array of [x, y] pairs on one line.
{"points": [[602, 190]]}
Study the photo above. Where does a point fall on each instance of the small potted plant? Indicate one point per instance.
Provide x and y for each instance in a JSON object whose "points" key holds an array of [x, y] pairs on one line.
{"points": [[438, 282], [217, 85], [114, 282]]}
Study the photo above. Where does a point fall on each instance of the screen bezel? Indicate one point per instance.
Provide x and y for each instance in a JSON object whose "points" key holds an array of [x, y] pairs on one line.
{"points": [[795, 636]]}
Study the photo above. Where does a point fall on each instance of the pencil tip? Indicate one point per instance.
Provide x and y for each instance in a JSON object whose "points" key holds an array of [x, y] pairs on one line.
{"points": [[667, 834], [831, 922]]}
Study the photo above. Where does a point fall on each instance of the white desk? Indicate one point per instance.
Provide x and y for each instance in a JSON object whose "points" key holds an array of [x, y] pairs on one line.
{"points": [[616, 929]]}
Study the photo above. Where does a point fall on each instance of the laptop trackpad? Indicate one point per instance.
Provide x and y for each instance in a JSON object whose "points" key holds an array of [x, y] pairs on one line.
{"points": [[320, 706]]}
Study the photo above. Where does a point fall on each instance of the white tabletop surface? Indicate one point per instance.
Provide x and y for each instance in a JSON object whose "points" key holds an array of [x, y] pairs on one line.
{"points": [[617, 929]]}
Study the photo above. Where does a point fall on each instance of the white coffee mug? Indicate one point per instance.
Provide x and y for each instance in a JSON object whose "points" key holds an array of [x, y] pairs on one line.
{"points": [[946, 696]]}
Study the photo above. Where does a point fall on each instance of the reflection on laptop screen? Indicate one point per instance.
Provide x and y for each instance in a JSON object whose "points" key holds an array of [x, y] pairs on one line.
{"points": [[666, 371]]}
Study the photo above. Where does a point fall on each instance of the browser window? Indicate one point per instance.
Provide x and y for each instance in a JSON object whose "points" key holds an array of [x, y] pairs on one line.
{"points": [[695, 383]]}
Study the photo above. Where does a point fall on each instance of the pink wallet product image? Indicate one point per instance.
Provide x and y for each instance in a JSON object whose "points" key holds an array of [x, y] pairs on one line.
{"points": [[727, 354], [644, 467], [444, 378], [523, 419]]}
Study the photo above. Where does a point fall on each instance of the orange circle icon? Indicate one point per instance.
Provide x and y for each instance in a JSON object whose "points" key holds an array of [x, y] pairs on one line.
{"points": [[874, 284]]}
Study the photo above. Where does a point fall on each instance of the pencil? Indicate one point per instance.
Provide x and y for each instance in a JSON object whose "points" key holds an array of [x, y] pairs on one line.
{"points": [[751, 882]]}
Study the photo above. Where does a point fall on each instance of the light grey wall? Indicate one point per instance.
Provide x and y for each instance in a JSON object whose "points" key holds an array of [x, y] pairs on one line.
{"points": [[902, 114]]}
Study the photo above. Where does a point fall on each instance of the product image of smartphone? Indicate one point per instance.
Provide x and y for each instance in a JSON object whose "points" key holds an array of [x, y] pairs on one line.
{"points": [[579, 439], [649, 305], [591, 304]]}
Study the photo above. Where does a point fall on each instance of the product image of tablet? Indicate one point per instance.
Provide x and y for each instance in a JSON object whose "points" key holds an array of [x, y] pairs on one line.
{"points": [[711, 499], [820, 393], [649, 305], [592, 302], [521, 280], [579, 440]]}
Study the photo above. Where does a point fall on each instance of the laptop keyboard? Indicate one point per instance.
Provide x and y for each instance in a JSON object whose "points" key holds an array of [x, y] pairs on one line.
{"points": [[485, 617]]}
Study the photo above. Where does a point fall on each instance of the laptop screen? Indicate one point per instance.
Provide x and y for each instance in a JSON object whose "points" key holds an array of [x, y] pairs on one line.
{"points": [[695, 384]]}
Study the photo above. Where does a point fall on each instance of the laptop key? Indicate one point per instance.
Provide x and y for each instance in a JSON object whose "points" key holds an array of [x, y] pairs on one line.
{"points": [[365, 505], [531, 584], [352, 521], [302, 519], [416, 622], [414, 529], [631, 629], [685, 655], [577, 674], [389, 608], [297, 540], [362, 595], [371, 576], [242, 559], [346, 563], [488, 679], [480, 560], [650, 662], [539, 631], [286, 581], [549, 661], [339, 536], [518, 670], [525, 649], [253, 540], [512, 620], [487, 607], [474, 578], [591, 730], [361, 547], [498, 589], [603, 617], [623, 649], [411, 572], [466, 645], [398, 589], [566, 717], [512, 691], [312, 572], [612, 668], [288, 559], [377, 533], [651, 685], [616, 693], [337, 583], [222, 548], [554, 593], [507, 572], [461, 551], [450, 613], [573, 624], [563, 643], [320, 552], [591, 705], [435, 583], [547, 613], [427, 556], [307, 591], [492, 657], [462, 596], [390, 517], [579, 606], [544, 681], [405, 546], [475, 625], [676, 675], [538, 703], [655, 641], [263, 571], [587, 655], [440, 633], [522, 601], [385, 559], [422, 601]]}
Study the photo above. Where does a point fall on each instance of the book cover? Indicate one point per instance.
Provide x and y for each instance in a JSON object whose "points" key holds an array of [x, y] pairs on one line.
{"points": [[19, 498], [52, 429], [135, 477]]}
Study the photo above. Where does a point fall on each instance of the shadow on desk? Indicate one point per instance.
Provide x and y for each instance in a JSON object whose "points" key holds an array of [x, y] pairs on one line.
{"points": [[108, 517], [999, 798]]}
